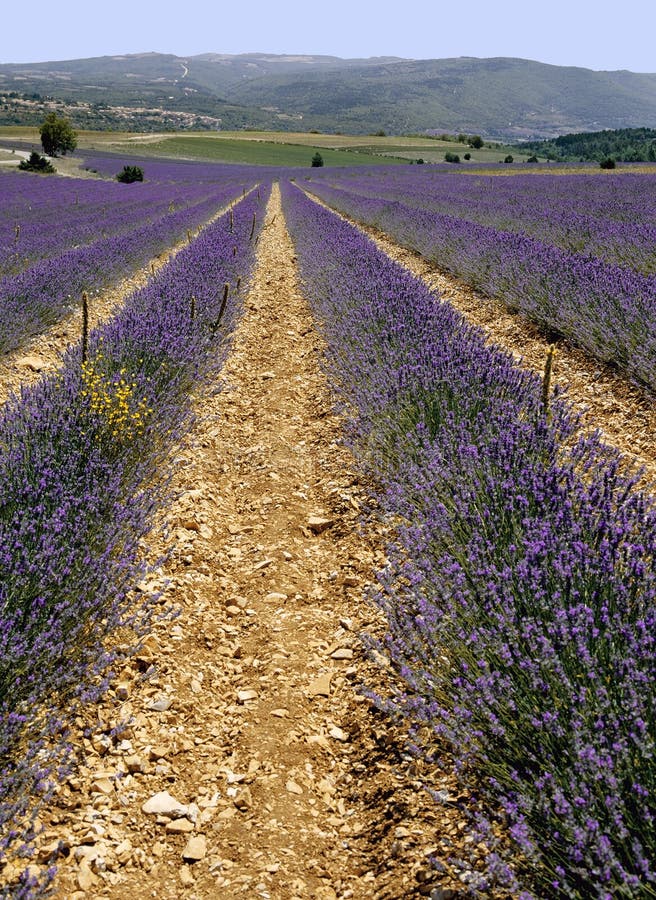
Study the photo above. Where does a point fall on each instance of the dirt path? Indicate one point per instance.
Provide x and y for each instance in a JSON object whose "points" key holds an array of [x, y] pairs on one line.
{"points": [[623, 411], [43, 352], [251, 765]]}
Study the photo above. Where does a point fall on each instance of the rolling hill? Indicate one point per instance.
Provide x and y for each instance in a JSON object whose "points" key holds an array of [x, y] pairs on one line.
{"points": [[503, 98]]}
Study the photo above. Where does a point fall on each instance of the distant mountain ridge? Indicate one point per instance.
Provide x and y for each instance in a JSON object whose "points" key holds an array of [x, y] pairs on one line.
{"points": [[503, 98]]}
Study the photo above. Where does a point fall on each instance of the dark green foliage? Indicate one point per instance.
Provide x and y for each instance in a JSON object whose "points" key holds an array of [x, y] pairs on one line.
{"points": [[623, 145], [317, 160], [532, 159], [36, 163], [508, 159], [451, 157], [467, 156], [476, 141], [57, 135], [608, 163], [130, 174]]}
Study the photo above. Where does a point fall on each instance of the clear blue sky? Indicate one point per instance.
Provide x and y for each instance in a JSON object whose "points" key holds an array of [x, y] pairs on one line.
{"points": [[594, 34]]}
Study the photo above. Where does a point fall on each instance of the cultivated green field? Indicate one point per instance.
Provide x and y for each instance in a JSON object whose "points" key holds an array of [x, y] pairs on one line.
{"points": [[297, 148], [263, 152], [271, 148]]}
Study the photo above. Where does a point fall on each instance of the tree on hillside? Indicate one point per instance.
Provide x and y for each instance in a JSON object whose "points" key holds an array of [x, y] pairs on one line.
{"points": [[317, 160], [57, 135]]}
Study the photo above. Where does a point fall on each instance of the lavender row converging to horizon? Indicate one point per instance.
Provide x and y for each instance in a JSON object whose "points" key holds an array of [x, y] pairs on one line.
{"points": [[608, 310], [520, 590], [611, 216], [50, 287], [84, 462], [41, 216]]}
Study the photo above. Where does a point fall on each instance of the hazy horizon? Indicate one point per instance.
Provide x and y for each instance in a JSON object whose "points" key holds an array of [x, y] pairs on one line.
{"points": [[561, 33]]}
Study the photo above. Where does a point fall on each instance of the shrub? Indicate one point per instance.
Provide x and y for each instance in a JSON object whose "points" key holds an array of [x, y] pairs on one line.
{"points": [[451, 157], [509, 158], [130, 174], [532, 159], [608, 163], [36, 163], [467, 156], [317, 160]]}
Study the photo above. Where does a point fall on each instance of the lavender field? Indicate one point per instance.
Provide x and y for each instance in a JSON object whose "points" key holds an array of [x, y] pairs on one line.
{"points": [[83, 463], [51, 248], [575, 254], [519, 590]]}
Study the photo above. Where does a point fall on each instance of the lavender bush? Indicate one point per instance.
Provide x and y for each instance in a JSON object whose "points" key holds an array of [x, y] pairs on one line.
{"points": [[114, 240], [609, 310], [611, 217], [43, 217], [520, 587], [82, 469]]}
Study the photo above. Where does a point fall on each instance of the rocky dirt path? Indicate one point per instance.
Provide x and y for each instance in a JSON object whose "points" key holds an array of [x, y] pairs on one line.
{"points": [[44, 351], [236, 755], [625, 412]]}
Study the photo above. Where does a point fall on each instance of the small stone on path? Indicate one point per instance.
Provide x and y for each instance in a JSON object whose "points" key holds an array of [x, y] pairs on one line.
{"points": [[163, 804], [317, 524], [180, 826], [320, 687], [196, 848], [35, 363]]}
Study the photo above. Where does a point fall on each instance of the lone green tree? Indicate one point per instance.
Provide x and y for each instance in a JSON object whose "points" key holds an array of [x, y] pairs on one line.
{"points": [[317, 160], [57, 135]]}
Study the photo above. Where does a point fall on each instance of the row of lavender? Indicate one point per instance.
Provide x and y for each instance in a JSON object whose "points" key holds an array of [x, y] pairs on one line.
{"points": [[44, 216], [608, 310], [82, 469], [605, 215], [50, 288], [520, 591]]}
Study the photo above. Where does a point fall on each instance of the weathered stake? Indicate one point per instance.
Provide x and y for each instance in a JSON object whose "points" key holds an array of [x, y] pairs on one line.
{"points": [[214, 325], [224, 300], [253, 227], [85, 326], [192, 309], [546, 378]]}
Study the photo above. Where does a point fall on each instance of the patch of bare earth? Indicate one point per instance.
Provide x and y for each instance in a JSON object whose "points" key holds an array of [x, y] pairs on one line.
{"points": [[43, 353], [236, 756], [608, 400]]}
